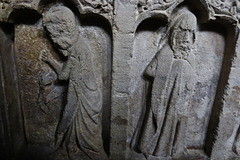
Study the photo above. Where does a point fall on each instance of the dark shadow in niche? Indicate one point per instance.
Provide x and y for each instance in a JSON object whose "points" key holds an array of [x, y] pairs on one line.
{"points": [[198, 7], [230, 45], [8, 29], [151, 24], [103, 27], [22, 16], [12, 135], [145, 111]]}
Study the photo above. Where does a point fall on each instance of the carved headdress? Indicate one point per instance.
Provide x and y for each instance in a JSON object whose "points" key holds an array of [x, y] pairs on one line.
{"points": [[175, 21], [62, 25]]}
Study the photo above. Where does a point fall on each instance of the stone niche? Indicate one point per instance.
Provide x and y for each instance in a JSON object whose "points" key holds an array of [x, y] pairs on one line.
{"points": [[119, 80]]}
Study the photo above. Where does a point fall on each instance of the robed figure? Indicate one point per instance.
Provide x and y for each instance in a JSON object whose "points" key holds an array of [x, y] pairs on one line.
{"points": [[172, 74], [80, 128]]}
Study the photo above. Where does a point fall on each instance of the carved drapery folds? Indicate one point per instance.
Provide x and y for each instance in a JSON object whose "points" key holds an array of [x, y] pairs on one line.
{"points": [[172, 70], [99, 6], [111, 79], [145, 5], [82, 113]]}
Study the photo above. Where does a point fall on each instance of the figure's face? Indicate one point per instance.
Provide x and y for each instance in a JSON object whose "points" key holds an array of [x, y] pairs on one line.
{"points": [[184, 37], [62, 31]]}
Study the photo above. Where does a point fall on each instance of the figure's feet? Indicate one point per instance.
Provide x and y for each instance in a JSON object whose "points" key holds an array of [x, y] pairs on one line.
{"points": [[191, 154], [59, 139], [151, 157], [236, 148], [75, 153], [59, 154]]}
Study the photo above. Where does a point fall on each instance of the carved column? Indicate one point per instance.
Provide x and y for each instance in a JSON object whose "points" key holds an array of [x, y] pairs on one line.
{"points": [[123, 38]]}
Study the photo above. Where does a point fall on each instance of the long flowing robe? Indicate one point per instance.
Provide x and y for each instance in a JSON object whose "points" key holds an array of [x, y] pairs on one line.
{"points": [[165, 122], [82, 113]]}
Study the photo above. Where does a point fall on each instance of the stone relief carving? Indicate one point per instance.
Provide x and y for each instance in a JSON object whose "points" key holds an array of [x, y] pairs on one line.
{"points": [[228, 7], [99, 6], [235, 146], [145, 5], [172, 75], [4, 3], [49, 91], [80, 124]]}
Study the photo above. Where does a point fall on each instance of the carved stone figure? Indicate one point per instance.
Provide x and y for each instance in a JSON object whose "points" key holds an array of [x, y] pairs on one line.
{"points": [[81, 119], [89, 5], [73, 91], [236, 142], [172, 75], [155, 4], [49, 91]]}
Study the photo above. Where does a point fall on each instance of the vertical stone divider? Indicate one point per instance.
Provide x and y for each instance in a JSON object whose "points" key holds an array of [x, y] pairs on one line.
{"points": [[10, 107], [123, 39]]}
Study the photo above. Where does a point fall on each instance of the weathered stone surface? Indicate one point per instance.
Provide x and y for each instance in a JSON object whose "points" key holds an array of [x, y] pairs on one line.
{"points": [[82, 114], [41, 93], [12, 129], [119, 79]]}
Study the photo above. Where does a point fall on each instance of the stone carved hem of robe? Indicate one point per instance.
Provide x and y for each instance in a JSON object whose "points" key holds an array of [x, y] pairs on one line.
{"points": [[165, 122], [82, 113]]}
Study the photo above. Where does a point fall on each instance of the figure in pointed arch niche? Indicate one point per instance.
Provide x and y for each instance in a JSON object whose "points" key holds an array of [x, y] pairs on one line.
{"points": [[172, 74], [80, 124]]}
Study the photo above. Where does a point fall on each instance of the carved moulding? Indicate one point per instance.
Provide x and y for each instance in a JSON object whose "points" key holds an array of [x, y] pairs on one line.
{"points": [[230, 9], [101, 7]]}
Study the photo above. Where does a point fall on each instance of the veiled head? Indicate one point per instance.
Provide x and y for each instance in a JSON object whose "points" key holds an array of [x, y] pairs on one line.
{"points": [[61, 24], [183, 33]]}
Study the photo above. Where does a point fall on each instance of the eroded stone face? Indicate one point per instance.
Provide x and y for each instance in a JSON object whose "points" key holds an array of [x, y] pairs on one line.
{"points": [[61, 25], [129, 79], [183, 35]]}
